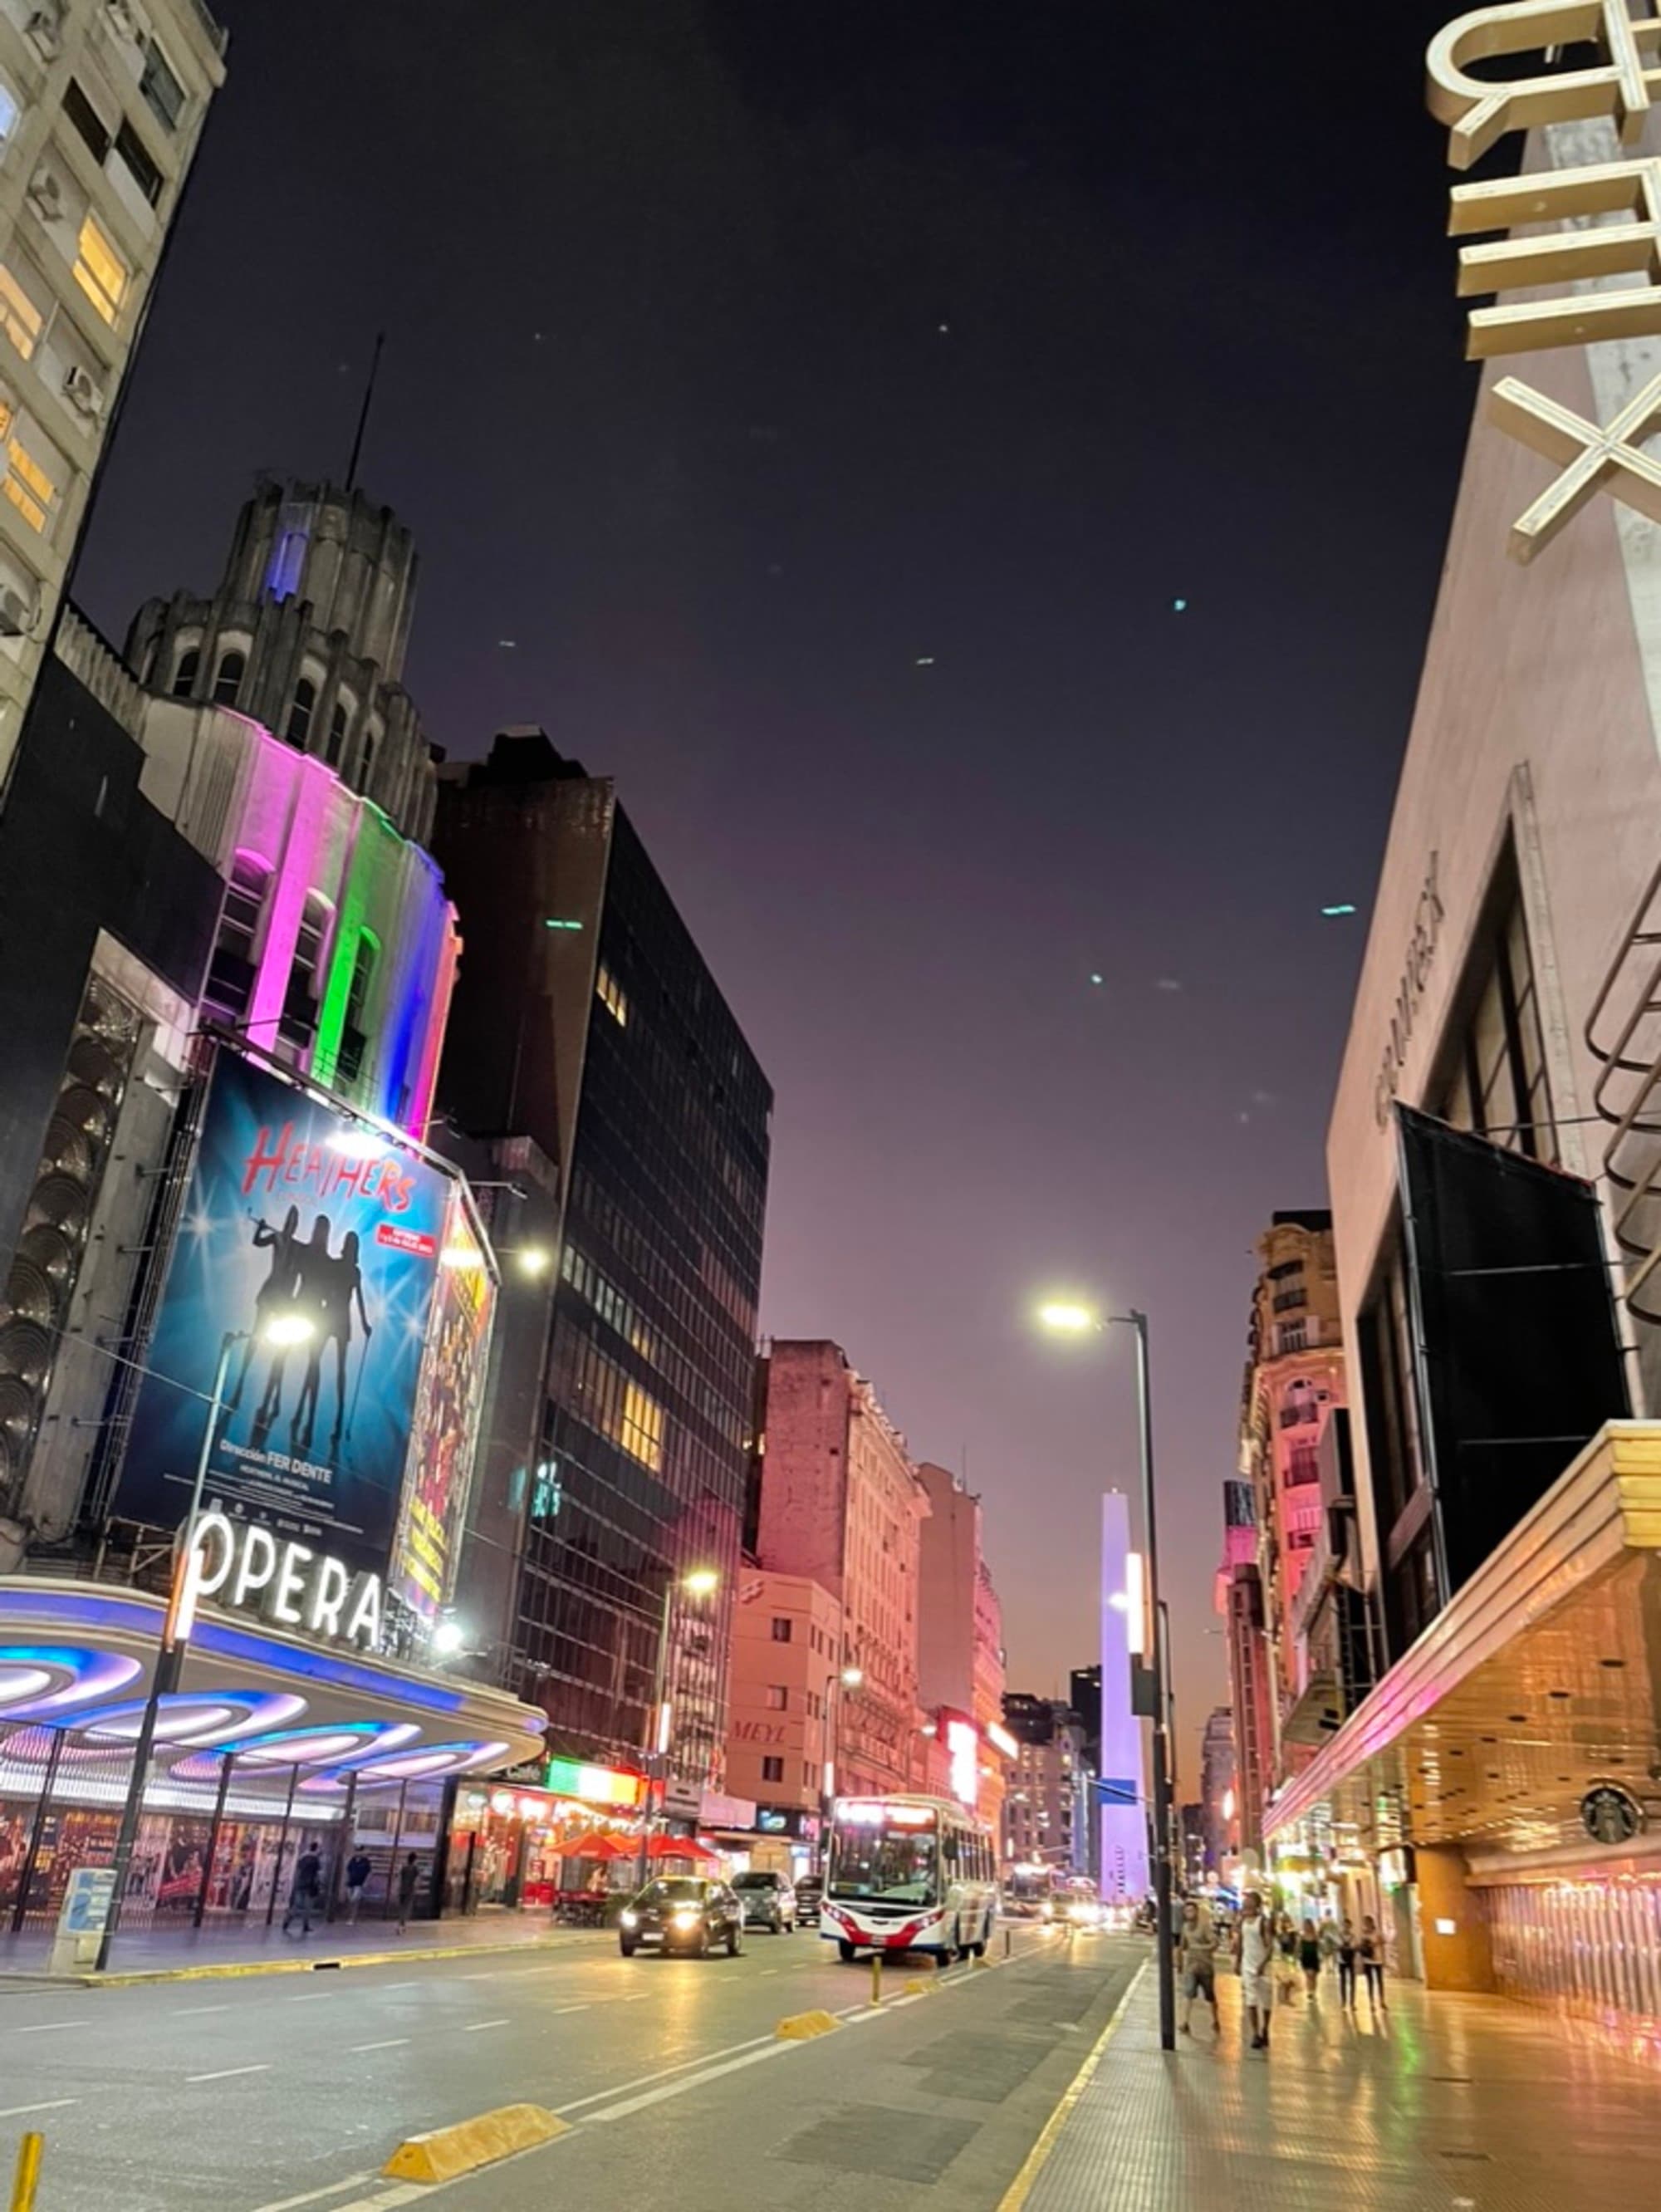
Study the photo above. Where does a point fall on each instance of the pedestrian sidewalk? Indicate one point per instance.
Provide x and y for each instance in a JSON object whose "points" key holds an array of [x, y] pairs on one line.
{"points": [[195, 1954], [1445, 2102]]}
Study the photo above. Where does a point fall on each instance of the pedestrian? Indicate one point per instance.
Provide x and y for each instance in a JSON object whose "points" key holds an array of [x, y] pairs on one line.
{"points": [[1196, 1958], [1309, 1958], [1286, 1958], [1347, 1948], [358, 1871], [1329, 1941], [306, 1896], [1253, 1952], [409, 1877], [1371, 1949]]}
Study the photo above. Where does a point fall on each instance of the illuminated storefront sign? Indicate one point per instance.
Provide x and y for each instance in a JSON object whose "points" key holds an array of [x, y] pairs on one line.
{"points": [[963, 1749], [246, 1567], [595, 1785]]}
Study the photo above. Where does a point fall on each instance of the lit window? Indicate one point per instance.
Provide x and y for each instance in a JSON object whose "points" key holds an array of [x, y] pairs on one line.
{"points": [[642, 1431], [100, 271], [22, 320], [28, 486], [610, 995]]}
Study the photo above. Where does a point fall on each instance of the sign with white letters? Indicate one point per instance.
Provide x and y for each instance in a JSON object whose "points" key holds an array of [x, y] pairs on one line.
{"points": [[248, 1568]]}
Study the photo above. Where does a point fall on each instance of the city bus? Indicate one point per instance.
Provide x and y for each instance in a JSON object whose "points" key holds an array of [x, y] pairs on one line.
{"points": [[909, 1874]]}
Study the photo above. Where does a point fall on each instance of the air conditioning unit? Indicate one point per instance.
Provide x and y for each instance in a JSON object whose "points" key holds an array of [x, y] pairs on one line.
{"points": [[16, 613], [45, 29], [45, 195], [83, 394]]}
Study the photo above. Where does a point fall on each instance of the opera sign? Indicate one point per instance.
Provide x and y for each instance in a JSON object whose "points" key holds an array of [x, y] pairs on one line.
{"points": [[247, 1568]]}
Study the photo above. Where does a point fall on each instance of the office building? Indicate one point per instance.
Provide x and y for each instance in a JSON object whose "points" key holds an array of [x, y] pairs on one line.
{"points": [[1048, 1805], [785, 1703], [1240, 1601], [960, 1634], [1219, 1797], [1084, 1695], [100, 110], [585, 1021]]}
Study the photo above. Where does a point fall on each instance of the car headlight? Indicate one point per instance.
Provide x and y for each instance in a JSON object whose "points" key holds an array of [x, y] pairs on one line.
{"points": [[688, 1919], [631, 1920]]}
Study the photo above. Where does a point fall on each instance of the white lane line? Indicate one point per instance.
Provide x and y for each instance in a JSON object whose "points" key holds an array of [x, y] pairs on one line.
{"points": [[50, 2027], [631, 2105], [623, 2088], [475, 2026], [384, 1986], [393, 2043], [317, 1996], [196, 2012], [560, 2011], [314, 2196], [402, 2192], [52, 2105], [225, 2073]]}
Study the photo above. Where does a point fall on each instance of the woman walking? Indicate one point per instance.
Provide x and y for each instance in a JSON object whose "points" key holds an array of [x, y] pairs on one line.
{"points": [[1347, 1949], [1373, 1964], [1286, 1962], [1309, 1958]]}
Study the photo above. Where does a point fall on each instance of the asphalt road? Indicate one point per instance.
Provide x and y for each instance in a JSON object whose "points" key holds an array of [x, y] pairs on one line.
{"points": [[267, 2094]]}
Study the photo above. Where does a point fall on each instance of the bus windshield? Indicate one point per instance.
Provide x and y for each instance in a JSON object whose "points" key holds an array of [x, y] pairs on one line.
{"points": [[898, 1863]]}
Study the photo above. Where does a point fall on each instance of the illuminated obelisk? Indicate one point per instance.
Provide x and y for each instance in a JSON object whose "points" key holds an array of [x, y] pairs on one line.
{"points": [[1122, 1793]]}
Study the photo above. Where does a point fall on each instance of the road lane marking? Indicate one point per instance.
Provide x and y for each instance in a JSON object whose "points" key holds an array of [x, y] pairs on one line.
{"points": [[225, 2073], [393, 2043], [314, 2196], [316, 1996], [623, 2088], [50, 2027], [52, 2105], [660, 2095], [560, 2010], [474, 2026], [195, 2011]]}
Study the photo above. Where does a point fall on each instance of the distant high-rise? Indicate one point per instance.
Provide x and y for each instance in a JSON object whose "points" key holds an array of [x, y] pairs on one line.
{"points": [[1084, 1693], [585, 1021], [100, 110]]}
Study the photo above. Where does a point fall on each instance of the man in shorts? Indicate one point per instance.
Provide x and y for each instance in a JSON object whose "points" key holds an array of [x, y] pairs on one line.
{"points": [[1254, 1953], [1197, 1962]]}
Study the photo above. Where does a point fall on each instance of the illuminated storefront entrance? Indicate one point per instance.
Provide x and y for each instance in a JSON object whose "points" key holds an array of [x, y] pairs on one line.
{"points": [[511, 1844]]}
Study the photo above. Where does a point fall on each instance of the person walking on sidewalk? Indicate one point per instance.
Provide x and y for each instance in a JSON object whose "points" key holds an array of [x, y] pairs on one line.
{"points": [[1196, 1961], [1254, 1952], [1309, 1958], [1347, 1946], [1285, 1959], [307, 1896], [1373, 1964], [358, 1871], [409, 1878]]}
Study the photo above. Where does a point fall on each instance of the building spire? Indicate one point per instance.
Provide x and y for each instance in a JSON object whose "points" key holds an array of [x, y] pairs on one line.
{"points": [[363, 412]]}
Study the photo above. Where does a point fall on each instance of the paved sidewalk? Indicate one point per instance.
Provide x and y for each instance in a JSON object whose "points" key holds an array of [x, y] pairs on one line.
{"points": [[1449, 2103], [199, 1953]]}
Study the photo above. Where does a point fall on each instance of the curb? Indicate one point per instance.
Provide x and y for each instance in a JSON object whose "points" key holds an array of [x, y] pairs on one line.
{"points": [[446, 2153], [241, 1969]]}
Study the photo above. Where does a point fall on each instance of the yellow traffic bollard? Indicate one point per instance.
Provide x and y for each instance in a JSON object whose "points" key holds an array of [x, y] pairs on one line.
{"points": [[28, 2174], [876, 1978], [1006, 1942]]}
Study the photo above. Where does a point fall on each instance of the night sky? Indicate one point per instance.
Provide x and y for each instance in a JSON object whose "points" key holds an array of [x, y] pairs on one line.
{"points": [[812, 414]]}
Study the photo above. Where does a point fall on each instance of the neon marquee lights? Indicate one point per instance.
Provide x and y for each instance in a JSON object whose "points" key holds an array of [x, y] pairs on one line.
{"points": [[74, 1676]]}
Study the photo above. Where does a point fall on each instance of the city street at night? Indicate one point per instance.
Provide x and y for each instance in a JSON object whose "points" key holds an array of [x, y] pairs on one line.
{"points": [[243, 2095]]}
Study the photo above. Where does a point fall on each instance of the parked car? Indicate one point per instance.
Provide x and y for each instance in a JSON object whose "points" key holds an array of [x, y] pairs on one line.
{"points": [[687, 1913], [809, 1895], [769, 1901]]}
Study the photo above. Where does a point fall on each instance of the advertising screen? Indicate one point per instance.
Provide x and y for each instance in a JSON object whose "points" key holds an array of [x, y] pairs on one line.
{"points": [[302, 1222], [446, 1420]]}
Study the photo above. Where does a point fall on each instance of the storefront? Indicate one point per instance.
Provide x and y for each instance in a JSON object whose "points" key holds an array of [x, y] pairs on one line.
{"points": [[546, 1832]]}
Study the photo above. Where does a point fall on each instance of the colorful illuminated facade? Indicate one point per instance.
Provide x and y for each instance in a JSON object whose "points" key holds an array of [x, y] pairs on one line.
{"points": [[1122, 1827]]}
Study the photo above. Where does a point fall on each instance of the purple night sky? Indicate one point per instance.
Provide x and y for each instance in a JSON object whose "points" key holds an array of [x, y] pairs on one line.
{"points": [[812, 415]]}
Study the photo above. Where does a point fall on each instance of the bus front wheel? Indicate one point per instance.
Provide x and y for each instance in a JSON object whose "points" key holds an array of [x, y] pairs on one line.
{"points": [[846, 1950]]}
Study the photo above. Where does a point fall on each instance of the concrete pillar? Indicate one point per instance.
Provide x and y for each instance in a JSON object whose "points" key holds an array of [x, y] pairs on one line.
{"points": [[1452, 1922]]}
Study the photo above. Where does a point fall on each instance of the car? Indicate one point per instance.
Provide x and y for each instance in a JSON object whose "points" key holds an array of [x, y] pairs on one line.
{"points": [[769, 1901], [687, 1913], [810, 1894]]}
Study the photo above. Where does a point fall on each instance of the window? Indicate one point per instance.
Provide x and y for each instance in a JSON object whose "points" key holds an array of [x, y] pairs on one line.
{"points": [[354, 1038], [369, 759], [228, 678], [29, 484], [131, 152], [23, 320], [337, 736], [297, 1022], [777, 1697], [1301, 1466], [9, 114], [642, 1433], [781, 1629], [186, 674], [608, 992], [1292, 1336], [1497, 1084], [86, 120], [100, 271], [300, 713], [230, 972], [162, 91], [772, 1770]]}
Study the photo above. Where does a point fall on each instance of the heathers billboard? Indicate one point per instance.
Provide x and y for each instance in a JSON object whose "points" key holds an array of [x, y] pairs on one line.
{"points": [[293, 1212]]}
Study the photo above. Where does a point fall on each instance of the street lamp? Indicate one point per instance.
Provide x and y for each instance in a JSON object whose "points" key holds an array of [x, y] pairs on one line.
{"points": [[697, 1582], [283, 1330], [1068, 1318]]}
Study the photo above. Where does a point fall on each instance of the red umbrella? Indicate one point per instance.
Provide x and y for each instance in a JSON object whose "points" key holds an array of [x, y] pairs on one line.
{"points": [[679, 1847], [596, 1845]]}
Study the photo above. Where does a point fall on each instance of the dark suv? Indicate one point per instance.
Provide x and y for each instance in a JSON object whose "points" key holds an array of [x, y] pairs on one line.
{"points": [[768, 1901], [809, 1895], [682, 1913]]}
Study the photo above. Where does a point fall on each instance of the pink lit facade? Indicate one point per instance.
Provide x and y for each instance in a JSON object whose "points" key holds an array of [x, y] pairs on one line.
{"points": [[959, 1643], [841, 1505]]}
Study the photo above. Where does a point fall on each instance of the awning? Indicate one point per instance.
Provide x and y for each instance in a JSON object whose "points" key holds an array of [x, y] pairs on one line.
{"points": [[1537, 1682], [77, 1659]]}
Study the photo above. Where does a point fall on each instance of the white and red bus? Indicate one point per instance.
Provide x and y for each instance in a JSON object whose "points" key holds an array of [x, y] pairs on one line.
{"points": [[909, 1874]]}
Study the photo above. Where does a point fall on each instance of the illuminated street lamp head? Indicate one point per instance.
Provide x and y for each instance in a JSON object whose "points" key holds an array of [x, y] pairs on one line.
{"points": [[284, 1329], [449, 1636], [1064, 1318], [702, 1582], [852, 1677], [534, 1260]]}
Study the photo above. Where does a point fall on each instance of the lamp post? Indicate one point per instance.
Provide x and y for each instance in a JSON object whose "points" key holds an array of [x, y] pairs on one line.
{"points": [[283, 1329], [845, 1678], [1075, 1319], [701, 1581]]}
